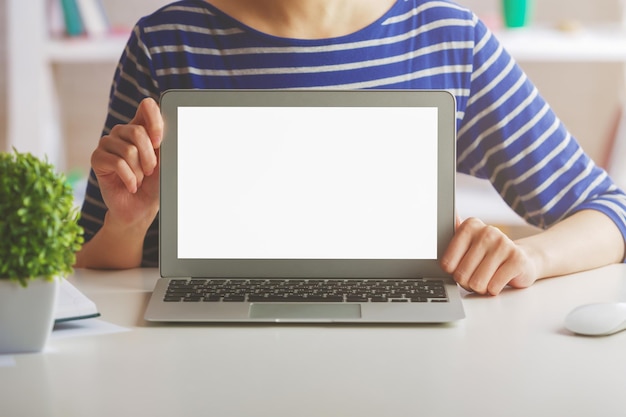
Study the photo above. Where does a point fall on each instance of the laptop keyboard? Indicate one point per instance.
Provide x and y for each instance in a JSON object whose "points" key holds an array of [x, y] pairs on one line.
{"points": [[306, 290]]}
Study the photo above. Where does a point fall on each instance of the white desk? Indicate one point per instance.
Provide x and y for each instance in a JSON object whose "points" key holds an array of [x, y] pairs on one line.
{"points": [[509, 357]]}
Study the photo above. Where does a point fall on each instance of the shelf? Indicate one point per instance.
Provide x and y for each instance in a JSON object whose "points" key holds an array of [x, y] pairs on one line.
{"points": [[86, 50], [592, 44]]}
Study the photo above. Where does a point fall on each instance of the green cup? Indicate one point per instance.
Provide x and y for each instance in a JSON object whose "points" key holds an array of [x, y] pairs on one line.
{"points": [[516, 13]]}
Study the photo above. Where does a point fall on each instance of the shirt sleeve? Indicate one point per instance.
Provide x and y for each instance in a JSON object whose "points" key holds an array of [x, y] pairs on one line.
{"points": [[133, 81], [510, 136]]}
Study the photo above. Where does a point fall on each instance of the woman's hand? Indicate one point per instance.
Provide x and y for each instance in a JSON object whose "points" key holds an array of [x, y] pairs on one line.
{"points": [[127, 166], [482, 259], [126, 163]]}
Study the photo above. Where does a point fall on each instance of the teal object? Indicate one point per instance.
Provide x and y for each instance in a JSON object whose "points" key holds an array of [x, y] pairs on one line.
{"points": [[516, 13], [71, 16]]}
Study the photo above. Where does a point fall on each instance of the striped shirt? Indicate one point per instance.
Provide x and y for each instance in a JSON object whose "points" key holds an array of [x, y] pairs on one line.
{"points": [[506, 131]]}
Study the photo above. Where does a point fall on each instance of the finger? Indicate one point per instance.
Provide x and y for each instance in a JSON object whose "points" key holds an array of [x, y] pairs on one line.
{"points": [[515, 272], [110, 167], [482, 250], [151, 182], [466, 272], [149, 116], [460, 244], [132, 143], [487, 277], [507, 271], [139, 156]]}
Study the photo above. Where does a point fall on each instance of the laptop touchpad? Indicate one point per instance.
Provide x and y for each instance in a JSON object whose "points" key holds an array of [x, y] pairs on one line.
{"points": [[305, 311]]}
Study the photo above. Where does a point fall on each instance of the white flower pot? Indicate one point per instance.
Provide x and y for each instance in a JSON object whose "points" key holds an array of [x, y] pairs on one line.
{"points": [[26, 315]]}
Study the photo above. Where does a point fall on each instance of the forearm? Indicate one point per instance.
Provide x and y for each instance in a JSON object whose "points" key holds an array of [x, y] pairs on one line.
{"points": [[114, 246], [588, 239]]}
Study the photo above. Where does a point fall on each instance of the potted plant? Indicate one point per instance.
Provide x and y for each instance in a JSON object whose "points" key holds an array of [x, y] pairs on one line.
{"points": [[39, 236]]}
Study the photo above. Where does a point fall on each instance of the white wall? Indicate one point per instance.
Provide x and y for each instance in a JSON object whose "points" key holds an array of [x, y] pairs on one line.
{"points": [[3, 80]]}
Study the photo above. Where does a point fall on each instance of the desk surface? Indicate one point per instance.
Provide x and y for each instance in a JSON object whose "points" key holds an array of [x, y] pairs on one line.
{"points": [[511, 356]]}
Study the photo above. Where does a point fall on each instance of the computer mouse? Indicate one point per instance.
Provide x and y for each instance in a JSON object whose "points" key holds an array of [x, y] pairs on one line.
{"points": [[597, 319]]}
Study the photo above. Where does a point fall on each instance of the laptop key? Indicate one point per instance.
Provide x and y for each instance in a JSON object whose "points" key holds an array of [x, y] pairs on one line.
{"points": [[265, 298], [356, 299], [234, 298]]}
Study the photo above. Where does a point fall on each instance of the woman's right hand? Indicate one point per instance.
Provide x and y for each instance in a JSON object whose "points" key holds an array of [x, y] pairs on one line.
{"points": [[126, 163]]}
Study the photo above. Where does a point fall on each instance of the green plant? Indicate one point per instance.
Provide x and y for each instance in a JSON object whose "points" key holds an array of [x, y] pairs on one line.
{"points": [[39, 231]]}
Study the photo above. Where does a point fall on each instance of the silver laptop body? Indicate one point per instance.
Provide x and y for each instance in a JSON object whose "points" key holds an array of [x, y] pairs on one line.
{"points": [[306, 189]]}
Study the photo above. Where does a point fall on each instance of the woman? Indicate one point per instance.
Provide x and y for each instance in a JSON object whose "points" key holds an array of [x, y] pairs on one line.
{"points": [[506, 132]]}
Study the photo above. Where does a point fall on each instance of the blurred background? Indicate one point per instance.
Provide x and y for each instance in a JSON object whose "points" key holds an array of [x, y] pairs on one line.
{"points": [[63, 114]]}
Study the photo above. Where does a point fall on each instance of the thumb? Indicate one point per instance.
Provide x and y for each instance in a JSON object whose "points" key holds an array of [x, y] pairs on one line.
{"points": [[149, 116]]}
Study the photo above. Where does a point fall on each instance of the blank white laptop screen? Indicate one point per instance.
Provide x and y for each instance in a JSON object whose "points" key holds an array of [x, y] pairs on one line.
{"points": [[307, 182]]}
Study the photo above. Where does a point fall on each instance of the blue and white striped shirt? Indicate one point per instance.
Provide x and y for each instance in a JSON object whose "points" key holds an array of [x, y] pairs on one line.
{"points": [[506, 131]]}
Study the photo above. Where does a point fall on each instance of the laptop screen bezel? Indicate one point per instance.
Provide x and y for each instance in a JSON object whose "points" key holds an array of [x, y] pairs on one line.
{"points": [[172, 266]]}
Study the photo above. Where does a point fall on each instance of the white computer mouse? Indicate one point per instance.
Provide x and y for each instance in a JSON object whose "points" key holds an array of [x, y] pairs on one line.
{"points": [[597, 319]]}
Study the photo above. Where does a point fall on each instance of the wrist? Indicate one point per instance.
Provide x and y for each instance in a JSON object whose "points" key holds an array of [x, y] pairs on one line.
{"points": [[128, 227], [117, 245], [536, 258]]}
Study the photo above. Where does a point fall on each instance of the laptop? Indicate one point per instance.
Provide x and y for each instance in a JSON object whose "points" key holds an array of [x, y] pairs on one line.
{"points": [[306, 206]]}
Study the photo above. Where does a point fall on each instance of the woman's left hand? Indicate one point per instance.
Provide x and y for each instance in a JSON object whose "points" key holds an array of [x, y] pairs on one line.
{"points": [[482, 259]]}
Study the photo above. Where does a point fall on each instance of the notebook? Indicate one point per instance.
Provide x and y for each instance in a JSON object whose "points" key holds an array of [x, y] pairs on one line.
{"points": [[71, 304], [306, 206]]}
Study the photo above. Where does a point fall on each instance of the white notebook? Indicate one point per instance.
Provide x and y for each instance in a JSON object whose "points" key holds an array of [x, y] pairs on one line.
{"points": [[71, 304]]}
